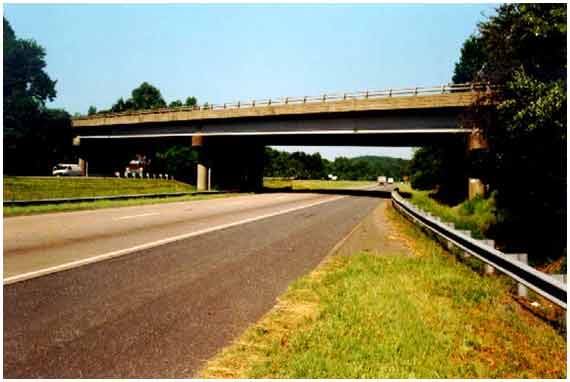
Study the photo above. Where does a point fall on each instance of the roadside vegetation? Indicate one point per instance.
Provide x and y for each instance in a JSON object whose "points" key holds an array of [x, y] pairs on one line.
{"points": [[295, 184], [476, 215], [34, 188], [420, 316], [521, 50]]}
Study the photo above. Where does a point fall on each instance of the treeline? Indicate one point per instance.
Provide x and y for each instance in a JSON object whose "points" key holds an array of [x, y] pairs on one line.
{"points": [[35, 136], [144, 97], [300, 165], [522, 49]]}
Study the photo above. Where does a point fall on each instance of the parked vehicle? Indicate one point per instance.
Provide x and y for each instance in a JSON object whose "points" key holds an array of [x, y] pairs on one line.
{"points": [[381, 180], [66, 169], [390, 180]]}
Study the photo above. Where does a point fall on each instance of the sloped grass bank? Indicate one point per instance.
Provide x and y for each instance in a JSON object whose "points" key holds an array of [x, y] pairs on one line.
{"points": [[477, 215], [420, 316], [33, 188]]}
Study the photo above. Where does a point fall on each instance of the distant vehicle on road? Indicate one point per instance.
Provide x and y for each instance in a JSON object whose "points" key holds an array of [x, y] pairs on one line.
{"points": [[66, 169], [137, 166], [390, 180], [381, 180]]}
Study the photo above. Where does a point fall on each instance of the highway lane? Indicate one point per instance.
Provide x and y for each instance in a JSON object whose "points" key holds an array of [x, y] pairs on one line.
{"points": [[161, 312], [33, 243]]}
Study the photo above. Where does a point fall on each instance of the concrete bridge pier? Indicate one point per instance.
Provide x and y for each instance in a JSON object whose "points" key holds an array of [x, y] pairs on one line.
{"points": [[202, 170], [476, 141]]}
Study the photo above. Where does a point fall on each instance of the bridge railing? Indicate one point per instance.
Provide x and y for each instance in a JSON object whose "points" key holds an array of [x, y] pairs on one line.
{"points": [[545, 285], [365, 94]]}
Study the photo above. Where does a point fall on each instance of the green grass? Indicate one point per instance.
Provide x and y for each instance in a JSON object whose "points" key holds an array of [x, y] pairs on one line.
{"points": [[421, 316], [315, 184], [476, 215], [32, 188], [68, 207]]}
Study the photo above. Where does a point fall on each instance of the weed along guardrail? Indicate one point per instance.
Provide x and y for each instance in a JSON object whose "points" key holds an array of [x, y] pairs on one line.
{"points": [[545, 285]]}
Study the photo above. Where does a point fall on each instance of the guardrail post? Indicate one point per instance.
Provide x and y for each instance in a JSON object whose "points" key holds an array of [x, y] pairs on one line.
{"points": [[489, 270], [522, 290]]}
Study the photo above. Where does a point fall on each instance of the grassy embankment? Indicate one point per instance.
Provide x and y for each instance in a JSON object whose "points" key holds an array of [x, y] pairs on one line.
{"points": [[476, 215], [420, 316], [28, 188], [315, 184]]}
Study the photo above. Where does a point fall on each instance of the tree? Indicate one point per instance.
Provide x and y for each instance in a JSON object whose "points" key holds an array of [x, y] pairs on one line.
{"points": [[92, 110], [473, 58], [34, 136], [176, 103], [191, 101], [522, 49], [147, 96]]}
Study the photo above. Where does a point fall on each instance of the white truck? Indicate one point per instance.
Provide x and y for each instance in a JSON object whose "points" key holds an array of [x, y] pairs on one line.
{"points": [[66, 169], [381, 180]]}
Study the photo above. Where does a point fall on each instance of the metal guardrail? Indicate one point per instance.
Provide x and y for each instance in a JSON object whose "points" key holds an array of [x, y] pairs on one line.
{"points": [[366, 94], [37, 202], [540, 282]]}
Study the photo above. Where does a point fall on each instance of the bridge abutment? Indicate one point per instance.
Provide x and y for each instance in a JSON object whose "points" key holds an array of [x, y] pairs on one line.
{"points": [[201, 168]]}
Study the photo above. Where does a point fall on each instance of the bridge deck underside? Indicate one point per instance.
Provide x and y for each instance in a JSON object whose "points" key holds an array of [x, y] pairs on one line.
{"points": [[388, 128]]}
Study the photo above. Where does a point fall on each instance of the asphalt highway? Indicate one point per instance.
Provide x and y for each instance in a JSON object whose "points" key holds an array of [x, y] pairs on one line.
{"points": [[158, 310]]}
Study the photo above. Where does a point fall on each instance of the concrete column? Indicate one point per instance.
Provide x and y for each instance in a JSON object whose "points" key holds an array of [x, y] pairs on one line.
{"points": [[476, 141], [202, 170], [83, 166]]}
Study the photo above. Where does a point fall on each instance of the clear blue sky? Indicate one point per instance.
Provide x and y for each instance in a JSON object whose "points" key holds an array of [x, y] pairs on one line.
{"points": [[221, 53]]}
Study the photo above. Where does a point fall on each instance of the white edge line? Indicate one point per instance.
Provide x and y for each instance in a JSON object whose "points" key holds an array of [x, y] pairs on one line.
{"points": [[109, 255], [136, 216], [319, 132]]}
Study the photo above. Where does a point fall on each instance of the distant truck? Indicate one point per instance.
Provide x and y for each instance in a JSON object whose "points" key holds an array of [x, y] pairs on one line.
{"points": [[66, 169], [390, 180], [137, 166], [381, 180]]}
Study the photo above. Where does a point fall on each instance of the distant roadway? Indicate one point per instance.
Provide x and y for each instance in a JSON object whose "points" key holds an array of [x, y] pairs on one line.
{"points": [[153, 291]]}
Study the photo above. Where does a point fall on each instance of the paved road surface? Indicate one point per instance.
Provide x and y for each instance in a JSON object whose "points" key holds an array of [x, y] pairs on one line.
{"points": [[159, 312]]}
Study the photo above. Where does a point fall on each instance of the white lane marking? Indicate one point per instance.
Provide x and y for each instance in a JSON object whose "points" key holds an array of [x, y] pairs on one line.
{"points": [[137, 216], [109, 255]]}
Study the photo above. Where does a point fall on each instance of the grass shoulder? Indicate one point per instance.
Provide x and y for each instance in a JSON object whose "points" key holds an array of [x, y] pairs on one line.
{"points": [[34, 188], [314, 184], [420, 316]]}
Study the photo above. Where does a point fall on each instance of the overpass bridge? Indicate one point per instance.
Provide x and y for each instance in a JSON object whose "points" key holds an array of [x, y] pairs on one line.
{"points": [[390, 117]]}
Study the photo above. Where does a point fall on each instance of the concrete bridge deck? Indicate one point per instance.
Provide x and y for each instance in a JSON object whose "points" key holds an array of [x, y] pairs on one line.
{"points": [[454, 97]]}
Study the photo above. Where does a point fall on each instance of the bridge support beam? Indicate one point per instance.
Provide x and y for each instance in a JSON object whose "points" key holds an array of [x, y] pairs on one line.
{"points": [[476, 141], [202, 169]]}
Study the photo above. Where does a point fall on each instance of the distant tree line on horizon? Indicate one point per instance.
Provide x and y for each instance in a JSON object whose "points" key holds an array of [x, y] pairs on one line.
{"points": [[300, 165]]}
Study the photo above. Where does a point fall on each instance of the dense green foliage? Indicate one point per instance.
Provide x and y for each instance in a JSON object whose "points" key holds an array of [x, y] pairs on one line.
{"points": [[35, 137], [300, 165], [522, 48], [143, 97]]}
